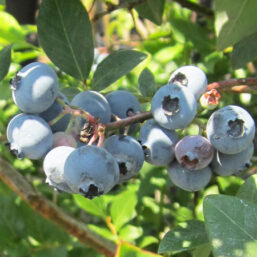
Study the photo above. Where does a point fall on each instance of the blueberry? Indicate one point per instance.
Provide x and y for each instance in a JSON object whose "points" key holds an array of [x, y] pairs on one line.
{"points": [[94, 103], [53, 166], [127, 152], [189, 180], [191, 77], [194, 152], [229, 164], [91, 171], [53, 111], [29, 136], [173, 106], [230, 129], [35, 87], [63, 139], [123, 103], [158, 143]]}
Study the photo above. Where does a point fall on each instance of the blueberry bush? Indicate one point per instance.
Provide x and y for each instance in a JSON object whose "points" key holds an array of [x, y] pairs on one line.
{"points": [[127, 128]]}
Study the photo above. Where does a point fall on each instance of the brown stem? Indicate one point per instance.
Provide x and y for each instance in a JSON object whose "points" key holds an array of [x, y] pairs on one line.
{"points": [[130, 120], [113, 7], [243, 85], [52, 212]]}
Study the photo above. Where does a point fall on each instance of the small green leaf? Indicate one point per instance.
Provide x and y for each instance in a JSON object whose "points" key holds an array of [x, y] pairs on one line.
{"points": [[148, 240], [10, 30], [146, 83], [244, 51], [152, 10], [64, 32], [234, 20], [123, 208], [186, 236], [231, 225], [103, 231], [202, 251], [96, 206], [128, 250], [130, 233], [248, 190], [114, 67], [5, 61]]}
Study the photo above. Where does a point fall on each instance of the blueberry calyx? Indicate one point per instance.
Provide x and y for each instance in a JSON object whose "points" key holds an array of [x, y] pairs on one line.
{"points": [[123, 168], [93, 191], [146, 151], [179, 79], [236, 128], [14, 83], [130, 112], [187, 161], [170, 105]]}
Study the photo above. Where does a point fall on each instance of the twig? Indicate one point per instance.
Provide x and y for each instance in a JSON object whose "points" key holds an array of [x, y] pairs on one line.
{"points": [[113, 7], [128, 121], [52, 212], [244, 85]]}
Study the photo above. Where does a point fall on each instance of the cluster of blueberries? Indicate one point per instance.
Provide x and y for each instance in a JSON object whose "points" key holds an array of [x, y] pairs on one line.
{"points": [[74, 165]]}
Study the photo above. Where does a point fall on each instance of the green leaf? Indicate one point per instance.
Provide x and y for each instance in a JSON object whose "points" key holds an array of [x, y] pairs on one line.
{"points": [[39, 228], [114, 67], [130, 233], [11, 222], [5, 61], [234, 20], [64, 32], [202, 251], [152, 10], [148, 240], [53, 252], [128, 250], [248, 190], [244, 51], [96, 206], [186, 236], [146, 83], [231, 225], [103, 231], [229, 185], [123, 208], [10, 30]]}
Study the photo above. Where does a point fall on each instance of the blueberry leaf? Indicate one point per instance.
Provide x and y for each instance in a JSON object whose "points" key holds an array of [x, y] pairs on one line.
{"points": [[114, 67], [244, 51], [123, 208], [65, 34], [184, 237], [126, 249], [5, 61], [96, 206], [152, 10], [234, 20], [231, 225], [248, 190], [146, 83]]}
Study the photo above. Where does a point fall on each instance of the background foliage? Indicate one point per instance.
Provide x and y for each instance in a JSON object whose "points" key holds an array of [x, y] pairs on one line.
{"points": [[144, 41]]}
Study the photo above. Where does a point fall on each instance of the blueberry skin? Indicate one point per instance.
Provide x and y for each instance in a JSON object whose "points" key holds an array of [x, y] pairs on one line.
{"points": [[29, 136], [158, 143], [127, 152], [53, 166], [63, 139], [189, 180], [34, 88], [53, 111], [191, 77], [94, 103], [121, 102], [230, 129], [91, 171], [194, 152], [229, 164], [173, 106]]}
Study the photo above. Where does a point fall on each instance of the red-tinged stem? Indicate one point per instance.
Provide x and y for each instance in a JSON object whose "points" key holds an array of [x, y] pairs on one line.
{"points": [[243, 85]]}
